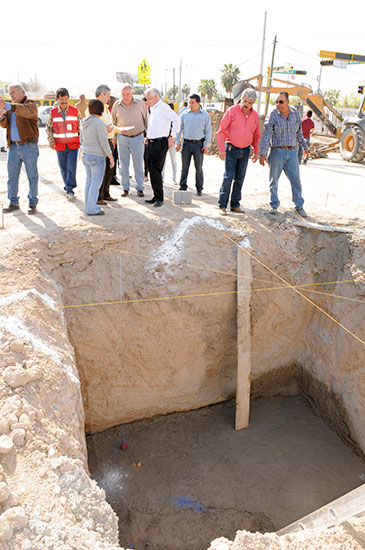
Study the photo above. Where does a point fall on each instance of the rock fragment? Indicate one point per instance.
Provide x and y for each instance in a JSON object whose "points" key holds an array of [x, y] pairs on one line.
{"points": [[6, 444], [4, 491], [6, 529]]}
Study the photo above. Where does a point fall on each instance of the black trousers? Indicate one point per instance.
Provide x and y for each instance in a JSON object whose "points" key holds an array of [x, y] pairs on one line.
{"points": [[108, 175], [157, 151]]}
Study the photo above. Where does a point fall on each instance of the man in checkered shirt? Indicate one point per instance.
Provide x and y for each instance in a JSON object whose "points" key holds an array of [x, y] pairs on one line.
{"points": [[283, 131]]}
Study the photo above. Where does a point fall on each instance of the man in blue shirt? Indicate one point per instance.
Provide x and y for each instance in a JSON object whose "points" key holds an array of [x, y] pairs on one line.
{"points": [[196, 131], [282, 131], [20, 118]]}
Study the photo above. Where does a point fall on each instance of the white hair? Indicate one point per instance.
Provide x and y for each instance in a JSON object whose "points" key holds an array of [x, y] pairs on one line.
{"points": [[153, 92], [126, 85], [250, 94], [16, 85]]}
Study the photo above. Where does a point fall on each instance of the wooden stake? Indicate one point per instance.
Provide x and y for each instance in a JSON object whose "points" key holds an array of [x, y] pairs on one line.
{"points": [[243, 340]]}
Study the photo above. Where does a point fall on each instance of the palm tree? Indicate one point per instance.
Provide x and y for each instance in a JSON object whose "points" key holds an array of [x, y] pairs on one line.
{"points": [[230, 76], [185, 90], [207, 88]]}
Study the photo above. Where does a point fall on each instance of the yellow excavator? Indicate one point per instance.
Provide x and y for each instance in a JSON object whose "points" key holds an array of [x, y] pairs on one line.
{"points": [[350, 133]]}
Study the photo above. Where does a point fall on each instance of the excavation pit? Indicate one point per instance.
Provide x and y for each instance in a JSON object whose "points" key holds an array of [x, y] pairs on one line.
{"points": [[139, 326]]}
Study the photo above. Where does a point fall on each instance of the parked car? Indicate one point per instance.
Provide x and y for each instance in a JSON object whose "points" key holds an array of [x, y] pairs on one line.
{"points": [[210, 107], [43, 115]]}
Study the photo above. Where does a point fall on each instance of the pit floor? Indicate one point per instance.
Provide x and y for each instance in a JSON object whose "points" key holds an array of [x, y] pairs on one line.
{"points": [[188, 478]]}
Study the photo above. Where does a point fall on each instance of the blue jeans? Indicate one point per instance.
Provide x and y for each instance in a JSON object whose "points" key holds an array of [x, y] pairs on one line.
{"points": [[95, 167], [192, 150], [128, 146], [300, 149], [27, 154], [285, 159], [234, 170], [67, 161]]}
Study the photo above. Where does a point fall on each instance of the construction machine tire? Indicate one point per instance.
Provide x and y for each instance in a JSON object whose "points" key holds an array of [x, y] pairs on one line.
{"points": [[352, 144]]}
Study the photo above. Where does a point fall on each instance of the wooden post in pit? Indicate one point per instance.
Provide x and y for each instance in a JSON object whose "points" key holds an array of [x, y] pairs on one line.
{"points": [[243, 339]]}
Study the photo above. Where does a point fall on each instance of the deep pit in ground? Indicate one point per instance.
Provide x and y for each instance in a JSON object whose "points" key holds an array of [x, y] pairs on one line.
{"points": [[146, 317], [199, 479]]}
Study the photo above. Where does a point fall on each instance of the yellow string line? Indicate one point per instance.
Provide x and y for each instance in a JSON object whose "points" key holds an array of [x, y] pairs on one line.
{"points": [[161, 298], [295, 289], [331, 295]]}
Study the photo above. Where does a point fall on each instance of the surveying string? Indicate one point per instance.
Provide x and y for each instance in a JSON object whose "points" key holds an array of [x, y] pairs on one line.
{"points": [[295, 289]]}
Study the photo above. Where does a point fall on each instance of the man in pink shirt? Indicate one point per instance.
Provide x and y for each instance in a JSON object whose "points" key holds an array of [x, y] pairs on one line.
{"points": [[238, 130]]}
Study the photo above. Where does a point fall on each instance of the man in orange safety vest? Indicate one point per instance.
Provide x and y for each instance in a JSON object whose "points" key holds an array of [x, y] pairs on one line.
{"points": [[63, 129]]}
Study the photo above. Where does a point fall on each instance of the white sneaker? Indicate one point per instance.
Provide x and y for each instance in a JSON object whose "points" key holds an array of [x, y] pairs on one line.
{"points": [[71, 197]]}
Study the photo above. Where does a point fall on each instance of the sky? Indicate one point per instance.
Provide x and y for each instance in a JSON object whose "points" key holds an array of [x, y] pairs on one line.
{"points": [[70, 44]]}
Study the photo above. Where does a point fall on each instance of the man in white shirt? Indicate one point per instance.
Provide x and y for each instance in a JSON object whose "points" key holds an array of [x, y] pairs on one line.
{"points": [[163, 125]]}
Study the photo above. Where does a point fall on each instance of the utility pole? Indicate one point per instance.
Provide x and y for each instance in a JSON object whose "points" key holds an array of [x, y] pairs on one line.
{"points": [[179, 99], [270, 76], [173, 83], [262, 62]]}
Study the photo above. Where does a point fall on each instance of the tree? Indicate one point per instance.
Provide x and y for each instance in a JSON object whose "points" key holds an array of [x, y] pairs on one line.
{"points": [[138, 90], [332, 96], [207, 88], [171, 92], [351, 100], [230, 76], [185, 90]]}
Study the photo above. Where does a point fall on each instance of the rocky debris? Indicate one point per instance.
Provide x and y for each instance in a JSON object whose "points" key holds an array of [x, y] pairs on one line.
{"points": [[17, 376], [6, 444], [6, 529], [4, 492]]}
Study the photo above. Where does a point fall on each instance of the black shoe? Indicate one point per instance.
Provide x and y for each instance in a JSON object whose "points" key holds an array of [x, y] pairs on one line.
{"points": [[183, 188], [114, 182], [151, 201], [199, 192], [11, 208], [32, 210], [140, 193], [158, 203], [3, 150], [100, 213]]}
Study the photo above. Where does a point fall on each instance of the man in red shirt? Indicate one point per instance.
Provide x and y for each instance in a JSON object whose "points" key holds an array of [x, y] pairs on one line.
{"points": [[307, 127], [238, 130]]}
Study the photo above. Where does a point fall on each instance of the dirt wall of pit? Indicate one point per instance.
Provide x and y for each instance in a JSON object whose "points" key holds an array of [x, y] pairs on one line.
{"points": [[163, 335], [47, 499]]}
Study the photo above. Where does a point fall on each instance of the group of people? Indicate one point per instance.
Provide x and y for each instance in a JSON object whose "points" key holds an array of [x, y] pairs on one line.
{"points": [[145, 130]]}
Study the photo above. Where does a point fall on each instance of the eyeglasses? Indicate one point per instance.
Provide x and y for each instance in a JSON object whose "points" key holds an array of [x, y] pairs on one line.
{"points": [[279, 101]]}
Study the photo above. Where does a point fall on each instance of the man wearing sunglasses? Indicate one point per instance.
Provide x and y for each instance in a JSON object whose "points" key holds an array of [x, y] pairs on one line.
{"points": [[282, 131]]}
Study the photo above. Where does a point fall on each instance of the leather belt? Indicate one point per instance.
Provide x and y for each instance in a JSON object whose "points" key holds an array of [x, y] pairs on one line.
{"points": [[193, 140], [156, 139], [22, 142], [135, 135]]}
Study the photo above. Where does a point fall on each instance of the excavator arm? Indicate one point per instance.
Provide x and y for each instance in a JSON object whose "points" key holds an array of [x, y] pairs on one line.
{"points": [[316, 102]]}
